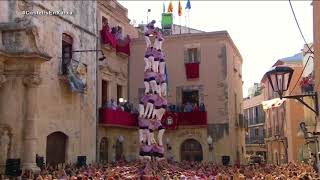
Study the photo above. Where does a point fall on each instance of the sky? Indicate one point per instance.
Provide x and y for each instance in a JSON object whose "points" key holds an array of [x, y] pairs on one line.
{"points": [[263, 31]]}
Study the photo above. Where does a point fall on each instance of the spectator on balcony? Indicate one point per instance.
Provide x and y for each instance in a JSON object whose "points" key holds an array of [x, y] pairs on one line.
{"points": [[202, 108], [118, 34], [105, 25], [126, 107], [196, 107], [188, 107], [112, 104], [114, 31]]}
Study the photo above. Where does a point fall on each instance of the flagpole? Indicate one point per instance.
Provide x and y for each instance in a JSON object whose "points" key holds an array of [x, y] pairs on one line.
{"points": [[188, 20], [180, 23]]}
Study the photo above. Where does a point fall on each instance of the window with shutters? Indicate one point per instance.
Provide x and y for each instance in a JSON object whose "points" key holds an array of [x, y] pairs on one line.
{"points": [[67, 42], [193, 55]]}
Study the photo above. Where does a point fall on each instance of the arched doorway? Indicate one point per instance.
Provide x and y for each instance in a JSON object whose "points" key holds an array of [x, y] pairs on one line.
{"points": [[104, 150], [191, 150], [56, 148]]}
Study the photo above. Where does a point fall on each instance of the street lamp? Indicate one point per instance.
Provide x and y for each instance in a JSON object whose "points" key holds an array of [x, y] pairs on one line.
{"points": [[280, 77], [121, 100], [209, 140]]}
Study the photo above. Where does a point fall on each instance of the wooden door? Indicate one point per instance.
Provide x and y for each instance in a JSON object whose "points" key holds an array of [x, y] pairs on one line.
{"points": [[56, 148], [191, 150]]}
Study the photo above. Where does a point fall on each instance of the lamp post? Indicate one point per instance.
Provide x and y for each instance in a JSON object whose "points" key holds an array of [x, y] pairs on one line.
{"points": [[121, 100], [280, 77], [209, 141]]}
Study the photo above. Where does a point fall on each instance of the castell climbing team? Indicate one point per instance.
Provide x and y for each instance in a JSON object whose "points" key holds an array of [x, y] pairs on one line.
{"points": [[153, 104]]}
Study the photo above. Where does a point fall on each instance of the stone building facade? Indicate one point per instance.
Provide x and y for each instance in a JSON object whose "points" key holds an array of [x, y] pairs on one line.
{"points": [[37, 107], [282, 123], [316, 44], [218, 86], [113, 83], [255, 116]]}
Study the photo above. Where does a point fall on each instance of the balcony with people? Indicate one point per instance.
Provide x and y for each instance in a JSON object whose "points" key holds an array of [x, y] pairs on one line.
{"points": [[307, 84], [114, 39], [123, 114]]}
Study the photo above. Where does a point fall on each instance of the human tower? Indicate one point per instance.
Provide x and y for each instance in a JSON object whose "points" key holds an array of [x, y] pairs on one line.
{"points": [[153, 104]]}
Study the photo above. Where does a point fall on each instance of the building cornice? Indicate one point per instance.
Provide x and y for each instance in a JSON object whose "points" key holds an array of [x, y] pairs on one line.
{"points": [[114, 13]]}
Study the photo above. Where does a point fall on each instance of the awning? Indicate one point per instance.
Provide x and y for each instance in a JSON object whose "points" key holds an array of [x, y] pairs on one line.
{"points": [[273, 103]]}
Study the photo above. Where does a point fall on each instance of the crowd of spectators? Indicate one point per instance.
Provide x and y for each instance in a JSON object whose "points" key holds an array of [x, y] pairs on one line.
{"points": [[121, 106], [128, 107], [187, 107], [175, 170]]}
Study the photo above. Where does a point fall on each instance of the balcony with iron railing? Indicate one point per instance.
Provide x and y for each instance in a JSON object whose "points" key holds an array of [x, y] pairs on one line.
{"points": [[110, 42], [171, 120]]}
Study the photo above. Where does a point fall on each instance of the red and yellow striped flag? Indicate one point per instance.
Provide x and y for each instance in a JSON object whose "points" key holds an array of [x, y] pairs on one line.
{"points": [[170, 7], [179, 9]]}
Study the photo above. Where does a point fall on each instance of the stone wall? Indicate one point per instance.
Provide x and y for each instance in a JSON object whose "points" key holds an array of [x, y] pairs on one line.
{"points": [[55, 108], [220, 79]]}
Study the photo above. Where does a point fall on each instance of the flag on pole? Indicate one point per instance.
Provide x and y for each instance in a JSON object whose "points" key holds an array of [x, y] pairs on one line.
{"points": [[188, 6], [163, 8], [170, 7], [179, 9]]}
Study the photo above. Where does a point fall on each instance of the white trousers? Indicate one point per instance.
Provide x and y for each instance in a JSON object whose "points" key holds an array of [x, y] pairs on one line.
{"points": [[160, 135], [164, 89], [141, 110], [158, 44], [155, 66], [153, 85], [160, 113], [148, 42], [162, 66], [159, 89], [146, 86], [147, 64], [151, 60], [150, 138], [143, 135], [154, 113], [148, 110]]}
